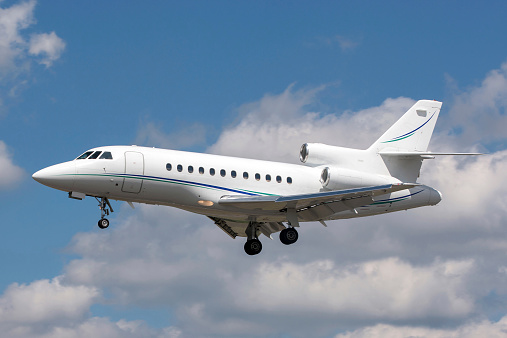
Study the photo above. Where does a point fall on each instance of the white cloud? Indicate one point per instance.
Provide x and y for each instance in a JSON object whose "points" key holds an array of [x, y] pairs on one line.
{"points": [[12, 44], [397, 274], [275, 127], [45, 301], [51, 309], [11, 173], [473, 188], [18, 51], [214, 288], [387, 289], [345, 43], [430, 266], [48, 46], [151, 134], [483, 328], [480, 112]]}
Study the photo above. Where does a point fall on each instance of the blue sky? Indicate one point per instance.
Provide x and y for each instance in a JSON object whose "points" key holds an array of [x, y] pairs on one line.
{"points": [[220, 77]]}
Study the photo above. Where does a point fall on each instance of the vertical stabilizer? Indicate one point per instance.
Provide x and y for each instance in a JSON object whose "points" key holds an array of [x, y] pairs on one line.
{"points": [[411, 133]]}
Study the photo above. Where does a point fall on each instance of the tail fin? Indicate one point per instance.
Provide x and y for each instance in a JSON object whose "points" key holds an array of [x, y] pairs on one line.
{"points": [[409, 135], [412, 132]]}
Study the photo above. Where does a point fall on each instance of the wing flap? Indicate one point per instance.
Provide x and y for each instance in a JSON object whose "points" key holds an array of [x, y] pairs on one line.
{"points": [[303, 201], [237, 228]]}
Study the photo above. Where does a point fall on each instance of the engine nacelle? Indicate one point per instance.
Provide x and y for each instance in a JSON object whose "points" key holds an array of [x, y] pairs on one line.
{"points": [[335, 178], [319, 153]]}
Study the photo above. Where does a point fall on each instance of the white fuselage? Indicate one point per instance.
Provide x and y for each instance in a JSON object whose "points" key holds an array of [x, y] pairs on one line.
{"points": [[196, 182]]}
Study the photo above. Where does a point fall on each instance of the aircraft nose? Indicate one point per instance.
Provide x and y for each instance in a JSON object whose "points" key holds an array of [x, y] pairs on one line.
{"points": [[40, 175], [59, 176]]}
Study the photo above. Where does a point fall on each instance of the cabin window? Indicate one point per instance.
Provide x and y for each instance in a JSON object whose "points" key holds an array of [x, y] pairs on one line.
{"points": [[94, 155], [85, 155], [180, 168], [201, 170], [233, 174], [268, 178], [245, 175], [190, 169], [222, 173], [212, 171], [289, 180], [257, 176], [168, 166], [106, 155], [279, 179]]}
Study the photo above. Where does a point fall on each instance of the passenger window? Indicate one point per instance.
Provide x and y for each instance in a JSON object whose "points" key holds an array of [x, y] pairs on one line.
{"points": [[212, 171], [190, 169], [94, 155], [180, 168], [222, 172], [85, 155], [201, 170], [257, 177], [233, 174], [245, 175], [289, 180], [106, 156], [279, 179], [168, 166], [268, 178]]}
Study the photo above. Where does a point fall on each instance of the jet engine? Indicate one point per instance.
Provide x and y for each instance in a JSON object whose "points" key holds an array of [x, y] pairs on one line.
{"points": [[336, 178], [314, 154]]}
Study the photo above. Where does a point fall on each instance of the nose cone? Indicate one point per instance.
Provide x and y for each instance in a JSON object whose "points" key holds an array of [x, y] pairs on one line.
{"points": [[435, 197], [59, 176]]}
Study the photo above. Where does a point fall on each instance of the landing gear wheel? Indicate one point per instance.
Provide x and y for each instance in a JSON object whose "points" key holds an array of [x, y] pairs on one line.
{"points": [[103, 223], [289, 236], [253, 247]]}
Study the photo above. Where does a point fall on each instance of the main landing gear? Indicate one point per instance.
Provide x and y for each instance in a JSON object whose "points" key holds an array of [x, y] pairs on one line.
{"points": [[105, 207], [288, 236], [253, 246]]}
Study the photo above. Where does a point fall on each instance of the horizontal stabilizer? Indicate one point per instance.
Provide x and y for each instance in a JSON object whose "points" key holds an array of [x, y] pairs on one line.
{"points": [[423, 154]]}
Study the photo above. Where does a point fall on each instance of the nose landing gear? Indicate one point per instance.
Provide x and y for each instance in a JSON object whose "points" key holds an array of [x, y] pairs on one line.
{"points": [[105, 207]]}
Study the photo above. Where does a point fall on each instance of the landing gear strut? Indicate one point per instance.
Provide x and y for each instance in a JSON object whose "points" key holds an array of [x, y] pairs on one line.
{"points": [[252, 246], [104, 206], [288, 236]]}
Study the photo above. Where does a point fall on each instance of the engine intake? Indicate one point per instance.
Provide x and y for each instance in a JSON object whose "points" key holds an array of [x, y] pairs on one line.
{"points": [[318, 153]]}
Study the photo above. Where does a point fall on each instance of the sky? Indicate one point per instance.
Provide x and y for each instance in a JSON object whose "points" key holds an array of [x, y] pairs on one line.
{"points": [[254, 79]]}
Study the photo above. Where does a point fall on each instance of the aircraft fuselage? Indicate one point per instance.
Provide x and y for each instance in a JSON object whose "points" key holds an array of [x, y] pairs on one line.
{"points": [[196, 182]]}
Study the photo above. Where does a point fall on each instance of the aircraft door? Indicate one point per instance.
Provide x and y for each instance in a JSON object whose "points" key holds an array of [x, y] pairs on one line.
{"points": [[134, 165]]}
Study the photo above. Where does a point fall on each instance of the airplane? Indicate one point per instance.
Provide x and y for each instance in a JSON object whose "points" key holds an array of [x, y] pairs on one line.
{"points": [[248, 197]]}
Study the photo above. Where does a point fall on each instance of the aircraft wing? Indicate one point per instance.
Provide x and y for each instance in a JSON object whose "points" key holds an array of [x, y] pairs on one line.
{"points": [[313, 206]]}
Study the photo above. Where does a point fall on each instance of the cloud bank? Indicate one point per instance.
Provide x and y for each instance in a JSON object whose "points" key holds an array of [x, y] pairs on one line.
{"points": [[436, 271], [18, 51]]}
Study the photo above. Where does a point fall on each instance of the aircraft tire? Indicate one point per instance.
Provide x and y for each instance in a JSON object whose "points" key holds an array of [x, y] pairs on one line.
{"points": [[289, 236], [103, 223], [253, 247]]}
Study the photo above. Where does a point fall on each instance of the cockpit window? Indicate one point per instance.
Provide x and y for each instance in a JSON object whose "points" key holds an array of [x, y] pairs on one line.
{"points": [[94, 155], [85, 155], [106, 155]]}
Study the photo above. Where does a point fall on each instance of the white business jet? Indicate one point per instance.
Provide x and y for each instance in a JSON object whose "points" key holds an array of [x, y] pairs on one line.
{"points": [[246, 197]]}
